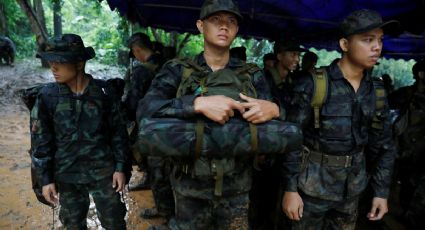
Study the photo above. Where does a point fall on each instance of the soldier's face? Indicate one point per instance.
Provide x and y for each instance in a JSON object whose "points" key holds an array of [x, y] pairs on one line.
{"points": [[219, 29], [289, 59], [63, 72], [138, 53], [364, 50]]}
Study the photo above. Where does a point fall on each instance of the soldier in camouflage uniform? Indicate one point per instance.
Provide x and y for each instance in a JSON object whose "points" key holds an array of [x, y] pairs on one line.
{"points": [[138, 84], [79, 139], [7, 50], [265, 194], [197, 206], [410, 100], [324, 183]]}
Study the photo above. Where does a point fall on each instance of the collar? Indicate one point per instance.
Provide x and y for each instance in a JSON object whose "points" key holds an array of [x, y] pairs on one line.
{"points": [[336, 73], [232, 64]]}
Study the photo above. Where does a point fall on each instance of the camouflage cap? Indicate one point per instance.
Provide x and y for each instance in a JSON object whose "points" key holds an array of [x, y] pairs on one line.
{"points": [[361, 21], [289, 44], [68, 49], [142, 39], [213, 6]]}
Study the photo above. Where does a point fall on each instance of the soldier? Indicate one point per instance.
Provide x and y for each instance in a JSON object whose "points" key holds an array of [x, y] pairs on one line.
{"points": [[265, 192], [410, 100], [139, 82], [280, 77], [324, 183], [269, 61], [309, 61], [79, 138], [201, 201], [7, 50]]}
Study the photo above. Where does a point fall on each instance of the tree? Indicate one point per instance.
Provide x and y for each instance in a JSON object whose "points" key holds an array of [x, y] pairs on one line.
{"points": [[36, 26], [3, 18], [57, 18]]}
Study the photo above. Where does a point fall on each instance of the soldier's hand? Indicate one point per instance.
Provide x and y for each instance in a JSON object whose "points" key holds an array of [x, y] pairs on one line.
{"points": [[379, 208], [118, 181], [50, 194], [292, 205], [217, 108], [259, 111]]}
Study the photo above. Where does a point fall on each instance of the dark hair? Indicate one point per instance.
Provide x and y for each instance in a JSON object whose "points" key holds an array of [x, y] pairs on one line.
{"points": [[417, 67], [238, 52], [141, 40]]}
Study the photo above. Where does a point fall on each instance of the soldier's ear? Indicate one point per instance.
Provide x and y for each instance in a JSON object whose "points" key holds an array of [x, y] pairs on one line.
{"points": [[200, 25], [343, 44]]}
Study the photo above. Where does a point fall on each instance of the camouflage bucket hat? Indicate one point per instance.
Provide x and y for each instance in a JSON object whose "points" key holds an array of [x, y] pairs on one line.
{"points": [[365, 20], [68, 48], [213, 6]]}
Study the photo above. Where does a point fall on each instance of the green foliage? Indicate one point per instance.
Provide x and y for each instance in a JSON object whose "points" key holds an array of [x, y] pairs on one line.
{"points": [[19, 29]]}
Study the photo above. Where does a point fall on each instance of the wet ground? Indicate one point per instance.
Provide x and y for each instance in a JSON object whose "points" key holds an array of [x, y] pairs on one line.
{"points": [[19, 209]]}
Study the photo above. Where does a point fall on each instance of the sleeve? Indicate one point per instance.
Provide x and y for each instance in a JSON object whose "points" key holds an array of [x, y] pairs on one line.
{"points": [[43, 147], [300, 113], [119, 138], [138, 86], [161, 101], [263, 90], [382, 152]]}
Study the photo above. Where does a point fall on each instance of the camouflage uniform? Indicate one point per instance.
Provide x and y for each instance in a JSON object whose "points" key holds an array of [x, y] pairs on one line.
{"points": [[7, 50], [330, 194], [411, 102], [196, 205], [78, 143]]}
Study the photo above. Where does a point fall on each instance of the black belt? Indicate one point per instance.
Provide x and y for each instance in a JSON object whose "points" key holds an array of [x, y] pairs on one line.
{"points": [[331, 160]]}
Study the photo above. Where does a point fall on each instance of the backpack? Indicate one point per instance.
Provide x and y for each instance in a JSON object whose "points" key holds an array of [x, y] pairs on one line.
{"points": [[320, 94], [50, 94], [198, 81]]}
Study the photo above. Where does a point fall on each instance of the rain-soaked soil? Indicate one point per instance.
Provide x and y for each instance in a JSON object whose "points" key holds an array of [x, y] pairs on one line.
{"points": [[19, 209]]}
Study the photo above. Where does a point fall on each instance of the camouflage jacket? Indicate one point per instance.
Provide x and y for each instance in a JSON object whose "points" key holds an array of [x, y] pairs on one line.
{"points": [[161, 101], [345, 129], [80, 139], [280, 89], [138, 83]]}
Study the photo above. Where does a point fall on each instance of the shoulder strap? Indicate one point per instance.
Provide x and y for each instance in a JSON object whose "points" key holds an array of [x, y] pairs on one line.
{"points": [[188, 67], [380, 96], [320, 93]]}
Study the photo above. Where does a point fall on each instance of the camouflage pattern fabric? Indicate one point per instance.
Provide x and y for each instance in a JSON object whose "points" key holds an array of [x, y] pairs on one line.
{"points": [[215, 214], [74, 201], [415, 213], [192, 179], [176, 137], [159, 173], [7, 50], [280, 89], [79, 141], [345, 130], [325, 214]]}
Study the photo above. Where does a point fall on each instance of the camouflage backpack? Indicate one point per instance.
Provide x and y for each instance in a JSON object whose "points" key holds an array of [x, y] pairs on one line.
{"points": [[50, 94], [198, 81], [320, 94]]}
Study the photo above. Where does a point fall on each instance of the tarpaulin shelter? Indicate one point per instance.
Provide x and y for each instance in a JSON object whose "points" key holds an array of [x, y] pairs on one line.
{"points": [[313, 22]]}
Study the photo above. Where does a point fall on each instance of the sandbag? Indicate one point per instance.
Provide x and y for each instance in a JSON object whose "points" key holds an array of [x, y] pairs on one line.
{"points": [[177, 138]]}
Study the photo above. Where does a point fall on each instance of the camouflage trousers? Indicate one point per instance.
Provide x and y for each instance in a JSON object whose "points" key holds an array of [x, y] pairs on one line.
{"points": [[415, 213], [74, 201], [227, 213], [160, 170], [327, 214], [265, 196]]}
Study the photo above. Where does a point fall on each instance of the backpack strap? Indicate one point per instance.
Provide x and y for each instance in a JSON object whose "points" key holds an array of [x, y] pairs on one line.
{"points": [[380, 97], [320, 93]]}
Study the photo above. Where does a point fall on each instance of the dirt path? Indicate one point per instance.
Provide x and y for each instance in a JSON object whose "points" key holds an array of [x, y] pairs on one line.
{"points": [[19, 209]]}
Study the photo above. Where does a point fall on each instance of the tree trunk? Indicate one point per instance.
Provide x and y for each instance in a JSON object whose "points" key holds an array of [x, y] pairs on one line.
{"points": [[3, 18], [36, 27], [57, 18], [39, 11]]}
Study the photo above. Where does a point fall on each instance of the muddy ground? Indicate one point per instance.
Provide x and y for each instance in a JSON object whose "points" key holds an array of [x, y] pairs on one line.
{"points": [[19, 209]]}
